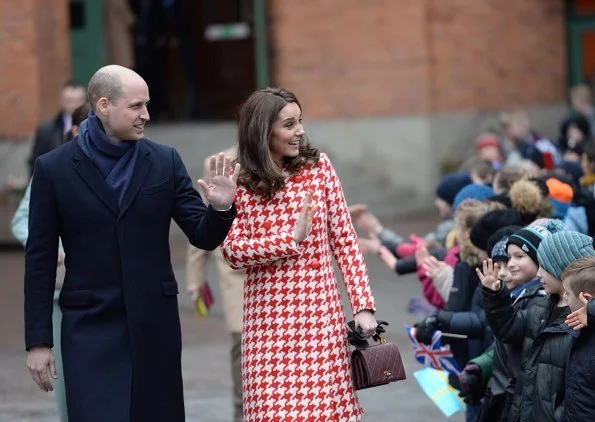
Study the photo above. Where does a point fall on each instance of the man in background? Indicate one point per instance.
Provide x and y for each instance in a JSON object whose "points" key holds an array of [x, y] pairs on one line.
{"points": [[50, 134]]}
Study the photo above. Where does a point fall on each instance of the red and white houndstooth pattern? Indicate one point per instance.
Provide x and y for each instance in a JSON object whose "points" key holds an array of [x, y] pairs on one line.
{"points": [[295, 359]]}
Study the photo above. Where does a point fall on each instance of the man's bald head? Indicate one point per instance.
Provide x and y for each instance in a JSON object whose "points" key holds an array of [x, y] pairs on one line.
{"points": [[107, 82]]}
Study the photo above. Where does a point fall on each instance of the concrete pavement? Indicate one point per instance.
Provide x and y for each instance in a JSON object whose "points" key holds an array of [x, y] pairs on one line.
{"points": [[206, 348]]}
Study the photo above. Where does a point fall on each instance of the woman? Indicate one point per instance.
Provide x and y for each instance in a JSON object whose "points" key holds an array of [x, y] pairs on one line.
{"points": [[292, 217]]}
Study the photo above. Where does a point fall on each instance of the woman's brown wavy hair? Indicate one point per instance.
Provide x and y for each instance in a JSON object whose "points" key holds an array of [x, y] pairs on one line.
{"points": [[259, 172]]}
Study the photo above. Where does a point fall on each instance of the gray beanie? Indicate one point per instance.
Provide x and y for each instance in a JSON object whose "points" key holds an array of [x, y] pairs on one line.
{"points": [[558, 251]]}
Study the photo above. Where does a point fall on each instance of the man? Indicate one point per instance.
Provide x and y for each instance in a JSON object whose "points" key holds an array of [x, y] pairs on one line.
{"points": [[50, 134], [232, 290], [581, 100], [110, 195]]}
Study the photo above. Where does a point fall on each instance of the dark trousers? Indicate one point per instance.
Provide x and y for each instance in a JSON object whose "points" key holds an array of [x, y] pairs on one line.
{"points": [[493, 408]]}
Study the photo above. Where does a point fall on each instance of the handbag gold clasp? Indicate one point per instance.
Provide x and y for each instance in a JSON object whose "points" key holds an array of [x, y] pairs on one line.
{"points": [[379, 338]]}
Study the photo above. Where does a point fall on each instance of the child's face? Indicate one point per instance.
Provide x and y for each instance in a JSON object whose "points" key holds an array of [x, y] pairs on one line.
{"points": [[477, 179], [461, 232], [444, 209], [550, 284], [574, 303], [503, 274], [491, 154], [574, 133], [520, 266]]}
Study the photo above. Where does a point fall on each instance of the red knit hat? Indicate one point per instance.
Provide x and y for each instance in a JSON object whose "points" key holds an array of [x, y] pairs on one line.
{"points": [[486, 140]]}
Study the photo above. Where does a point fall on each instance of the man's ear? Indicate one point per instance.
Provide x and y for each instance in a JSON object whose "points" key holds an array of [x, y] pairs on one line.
{"points": [[102, 106], [587, 295]]}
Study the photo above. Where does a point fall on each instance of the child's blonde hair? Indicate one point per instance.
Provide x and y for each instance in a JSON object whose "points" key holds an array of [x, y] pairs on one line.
{"points": [[471, 210], [468, 212]]}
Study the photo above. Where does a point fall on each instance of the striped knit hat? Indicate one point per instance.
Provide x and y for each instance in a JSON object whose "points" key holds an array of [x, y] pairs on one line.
{"points": [[560, 249]]}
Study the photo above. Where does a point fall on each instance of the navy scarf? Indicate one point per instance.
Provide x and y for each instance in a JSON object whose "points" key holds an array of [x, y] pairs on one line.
{"points": [[115, 161]]}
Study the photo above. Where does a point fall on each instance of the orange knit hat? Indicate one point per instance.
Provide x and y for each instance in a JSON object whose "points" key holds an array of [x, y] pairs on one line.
{"points": [[559, 190]]}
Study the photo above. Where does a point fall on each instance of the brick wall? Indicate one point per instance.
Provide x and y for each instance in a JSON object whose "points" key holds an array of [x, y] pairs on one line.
{"points": [[489, 54], [35, 62], [384, 57]]}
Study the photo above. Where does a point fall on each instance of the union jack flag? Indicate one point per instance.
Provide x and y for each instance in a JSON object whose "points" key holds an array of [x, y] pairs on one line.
{"points": [[436, 355]]}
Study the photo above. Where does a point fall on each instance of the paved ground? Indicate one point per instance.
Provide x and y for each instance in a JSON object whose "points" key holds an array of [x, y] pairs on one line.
{"points": [[206, 344]]}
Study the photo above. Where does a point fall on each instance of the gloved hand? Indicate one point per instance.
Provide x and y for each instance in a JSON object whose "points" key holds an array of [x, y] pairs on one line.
{"points": [[472, 388], [425, 329], [365, 323], [358, 339]]}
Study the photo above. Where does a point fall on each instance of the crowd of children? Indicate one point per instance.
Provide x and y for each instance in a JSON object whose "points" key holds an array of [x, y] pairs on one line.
{"points": [[509, 272]]}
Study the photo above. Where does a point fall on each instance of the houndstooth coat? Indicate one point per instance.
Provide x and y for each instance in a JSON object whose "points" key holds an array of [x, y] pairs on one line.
{"points": [[295, 359]]}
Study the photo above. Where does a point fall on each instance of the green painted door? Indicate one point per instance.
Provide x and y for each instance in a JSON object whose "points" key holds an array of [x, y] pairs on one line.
{"points": [[86, 38], [581, 41]]}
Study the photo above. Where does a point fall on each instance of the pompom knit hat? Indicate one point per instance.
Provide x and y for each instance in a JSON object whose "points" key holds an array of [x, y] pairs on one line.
{"points": [[490, 223], [451, 184], [559, 250], [473, 191], [502, 233]]}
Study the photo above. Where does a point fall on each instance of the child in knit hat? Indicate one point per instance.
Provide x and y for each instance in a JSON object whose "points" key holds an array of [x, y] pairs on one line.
{"points": [[579, 286], [514, 266], [488, 147], [560, 196], [540, 330], [473, 191]]}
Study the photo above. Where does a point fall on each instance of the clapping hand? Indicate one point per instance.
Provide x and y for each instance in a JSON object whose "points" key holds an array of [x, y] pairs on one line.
{"points": [[421, 253], [369, 245], [220, 187], [387, 257], [365, 221], [432, 266], [357, 210], [489, 276], [578, 319]]}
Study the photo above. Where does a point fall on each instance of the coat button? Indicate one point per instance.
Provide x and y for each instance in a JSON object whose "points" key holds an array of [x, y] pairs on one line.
{"points": [[315, 264], [267, 225], [298, 179], [271, 270]]}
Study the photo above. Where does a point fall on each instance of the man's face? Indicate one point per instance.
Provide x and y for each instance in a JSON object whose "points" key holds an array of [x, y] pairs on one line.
{"points": [[125, 118], [72, 98]]}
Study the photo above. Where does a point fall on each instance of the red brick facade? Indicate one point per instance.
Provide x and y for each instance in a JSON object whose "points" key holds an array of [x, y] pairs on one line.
{"points": [[399, 57], [35, 62], [343, 58]]}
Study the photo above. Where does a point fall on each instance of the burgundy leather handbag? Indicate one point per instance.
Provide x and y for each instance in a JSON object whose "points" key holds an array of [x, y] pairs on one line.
{"points": [[373, 365]]}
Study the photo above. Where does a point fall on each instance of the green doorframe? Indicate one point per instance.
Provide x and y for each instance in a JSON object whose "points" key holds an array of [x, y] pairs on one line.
{"points": [[86, 38], [576, 24], [261, 51]]}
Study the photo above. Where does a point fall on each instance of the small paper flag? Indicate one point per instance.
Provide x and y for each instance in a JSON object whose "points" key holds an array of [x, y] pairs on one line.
{"points": [[204, 301], [434, 383]]}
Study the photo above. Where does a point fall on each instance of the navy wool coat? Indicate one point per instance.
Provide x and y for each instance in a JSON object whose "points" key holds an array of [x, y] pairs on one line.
{"points": [[121, 337]]}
